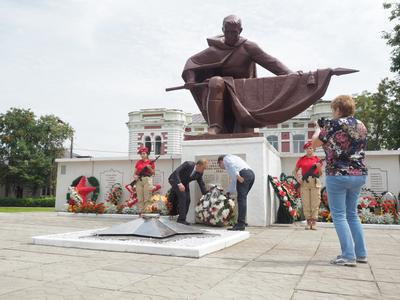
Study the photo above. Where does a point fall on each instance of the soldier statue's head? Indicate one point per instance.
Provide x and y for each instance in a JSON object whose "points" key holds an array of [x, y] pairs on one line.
{"points": [[231, 27]]}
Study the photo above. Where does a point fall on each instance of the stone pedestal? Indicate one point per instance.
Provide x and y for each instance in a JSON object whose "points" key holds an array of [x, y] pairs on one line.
{"points": [[262, 158]]}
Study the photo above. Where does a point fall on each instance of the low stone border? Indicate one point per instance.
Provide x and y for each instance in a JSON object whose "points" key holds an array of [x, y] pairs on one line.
{"points": [[194, 246], [112, 216]]}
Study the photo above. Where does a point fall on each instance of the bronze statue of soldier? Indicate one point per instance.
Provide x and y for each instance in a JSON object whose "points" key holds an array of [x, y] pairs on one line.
{"points": [[223, 81]]}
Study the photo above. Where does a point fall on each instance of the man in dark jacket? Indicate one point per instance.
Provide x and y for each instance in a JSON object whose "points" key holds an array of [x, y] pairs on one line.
{"points": [[180, 179]]}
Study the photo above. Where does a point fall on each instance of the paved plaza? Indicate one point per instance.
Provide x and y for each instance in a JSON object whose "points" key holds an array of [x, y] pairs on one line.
{"points": [[275, 263]]}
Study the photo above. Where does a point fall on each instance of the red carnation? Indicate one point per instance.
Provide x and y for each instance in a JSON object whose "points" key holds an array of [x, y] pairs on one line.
{"points": [[293, 213], [288, 203], [282, 193]]}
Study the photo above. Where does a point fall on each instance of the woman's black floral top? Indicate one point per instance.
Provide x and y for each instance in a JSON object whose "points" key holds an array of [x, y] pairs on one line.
{"points": [[345, 140]]}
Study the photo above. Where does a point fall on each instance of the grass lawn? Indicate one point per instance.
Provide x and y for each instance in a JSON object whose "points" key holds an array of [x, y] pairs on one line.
{"points": [[25, 209]]}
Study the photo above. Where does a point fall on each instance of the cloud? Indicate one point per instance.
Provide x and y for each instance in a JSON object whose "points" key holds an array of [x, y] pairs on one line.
{"points": [[92, 62]]}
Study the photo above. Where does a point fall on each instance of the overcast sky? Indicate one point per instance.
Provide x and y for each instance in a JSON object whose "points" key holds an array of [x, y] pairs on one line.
{"points": [[92, 62]]}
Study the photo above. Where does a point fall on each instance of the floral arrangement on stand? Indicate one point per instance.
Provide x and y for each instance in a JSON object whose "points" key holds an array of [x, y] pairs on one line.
{"points": [[289, 198], [81, 198], [378, 209], [215, 208], [114, 196], [373, 208], [324, 211], [159, 204]]}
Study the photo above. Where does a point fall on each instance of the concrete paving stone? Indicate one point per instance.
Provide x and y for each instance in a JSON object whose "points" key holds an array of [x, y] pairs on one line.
{"points": [[58, 291], [285, 256], [306, 295], [384, 261], [229, 253], [170, 287], [56, 271], [308, 252], [387, 275], [273, 235], [217, 295], [53, 250], [104, 279], [383, 249], [275, 267], [139, 267], [199, 274], [338, 286], [219, 263], [361, 272], [130, 296], [258, 268], [10, 284], [254, 285], [30, 256], [13, 265], [389, 289], [169, 260]]}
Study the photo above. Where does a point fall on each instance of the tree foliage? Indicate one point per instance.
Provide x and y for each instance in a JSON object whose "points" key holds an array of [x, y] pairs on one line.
{"points": [[29, 146], [393, 37], [380, 111]]}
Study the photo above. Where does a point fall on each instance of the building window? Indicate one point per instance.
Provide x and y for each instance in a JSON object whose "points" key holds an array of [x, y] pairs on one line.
{"points": [[157, 148], [298, 143], [298, 125], [285, 135], [285, 146], [147, 143], [273, 140], [63, 169]]}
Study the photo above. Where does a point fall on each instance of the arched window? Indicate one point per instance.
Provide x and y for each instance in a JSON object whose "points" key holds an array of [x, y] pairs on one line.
{"points": [[298, 143], [157, 148], [147, 143], [273, 140]]}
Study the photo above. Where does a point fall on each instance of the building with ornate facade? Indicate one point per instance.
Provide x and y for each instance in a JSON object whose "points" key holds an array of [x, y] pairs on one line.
{"points": [[162, 130]]}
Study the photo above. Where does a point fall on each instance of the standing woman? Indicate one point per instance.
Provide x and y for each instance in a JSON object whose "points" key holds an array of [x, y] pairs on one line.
{"points": [[144, 170], [311, 186], [344, 140]]}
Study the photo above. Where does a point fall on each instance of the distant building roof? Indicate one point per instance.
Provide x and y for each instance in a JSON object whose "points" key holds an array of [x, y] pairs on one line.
{"points": [[67, 154]]}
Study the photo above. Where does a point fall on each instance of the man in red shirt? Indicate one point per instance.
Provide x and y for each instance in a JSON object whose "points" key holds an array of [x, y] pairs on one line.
{"points": [[144, 170], [310, 186]]}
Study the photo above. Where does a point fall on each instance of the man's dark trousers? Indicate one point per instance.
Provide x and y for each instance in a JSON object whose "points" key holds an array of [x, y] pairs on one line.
{"points": [[183, 201], [242, 191]]}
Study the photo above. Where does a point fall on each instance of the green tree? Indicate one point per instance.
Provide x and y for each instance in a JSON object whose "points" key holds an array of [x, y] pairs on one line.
{"points": [[379, 113], [28, 149], [393, 37]]}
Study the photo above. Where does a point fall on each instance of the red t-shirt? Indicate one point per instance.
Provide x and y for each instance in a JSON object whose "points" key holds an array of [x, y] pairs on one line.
{"points": [[140, 165], [305, 163]]}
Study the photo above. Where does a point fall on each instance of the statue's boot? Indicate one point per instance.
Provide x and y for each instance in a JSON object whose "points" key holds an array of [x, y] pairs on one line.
{"points": [[215, 111]]}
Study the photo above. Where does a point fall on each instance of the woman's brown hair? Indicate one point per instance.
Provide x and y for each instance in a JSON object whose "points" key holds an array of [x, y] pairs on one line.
{"points": [[345, 104]]}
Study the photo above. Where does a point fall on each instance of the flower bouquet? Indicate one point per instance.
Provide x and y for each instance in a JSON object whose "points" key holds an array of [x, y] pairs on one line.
{"points": [[115, 194], [215, 208], [158, 204], [373, 208]]}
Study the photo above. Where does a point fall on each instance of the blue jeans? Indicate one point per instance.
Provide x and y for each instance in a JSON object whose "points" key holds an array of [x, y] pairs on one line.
{"points": [[343, 194], [242, 191]]}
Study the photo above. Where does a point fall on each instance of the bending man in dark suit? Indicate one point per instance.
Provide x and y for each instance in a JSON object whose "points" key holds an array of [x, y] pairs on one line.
{"points": [[180, 179]]}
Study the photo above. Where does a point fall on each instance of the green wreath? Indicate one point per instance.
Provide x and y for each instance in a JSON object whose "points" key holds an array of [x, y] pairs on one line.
{"points": [[92, 181]]}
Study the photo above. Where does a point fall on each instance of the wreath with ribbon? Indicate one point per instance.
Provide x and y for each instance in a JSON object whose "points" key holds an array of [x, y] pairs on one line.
{"points": [[289, 198], [92, 181]]}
